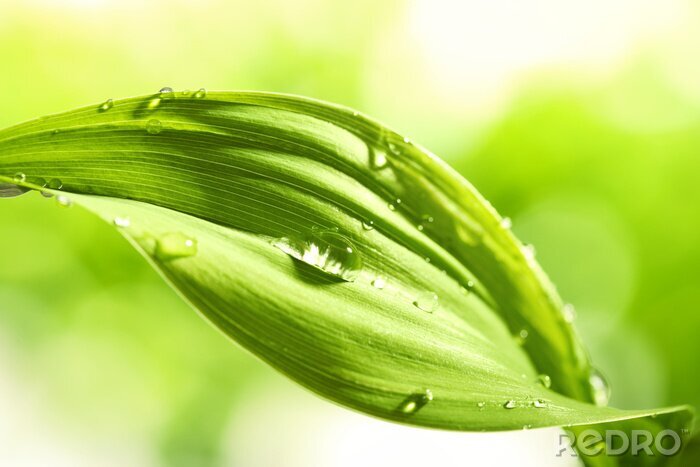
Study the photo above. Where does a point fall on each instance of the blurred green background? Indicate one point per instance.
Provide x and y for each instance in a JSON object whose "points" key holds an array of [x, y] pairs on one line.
{"points": [[579, 120]]}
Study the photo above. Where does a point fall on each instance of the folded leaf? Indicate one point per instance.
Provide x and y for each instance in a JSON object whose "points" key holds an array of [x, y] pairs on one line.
{"points": [[344, 255]]}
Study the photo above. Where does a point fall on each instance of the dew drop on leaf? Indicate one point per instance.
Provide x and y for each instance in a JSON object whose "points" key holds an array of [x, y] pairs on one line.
{"points": [[378, 159], [415, 402], [396, 150], [154, 126], [200, 94], [509, 404], [600, 389], [427, 302], [506, 223], [63, 201], [326, 250], [522, 336], [106, 105], [569, 313], [379, 282], [175, 245], [122, 222], [545, 381], [54, 184], [9, 190], [368, 225], [539, 404], [529, 251], [166, 91], [19, 177], [481, 405]]}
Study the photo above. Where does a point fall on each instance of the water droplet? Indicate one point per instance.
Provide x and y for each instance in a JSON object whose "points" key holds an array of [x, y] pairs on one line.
{"points": [[420, 227], [415, 402], [522, 336], [509, 404], [545, 381], [154, 126], [406, 140], [506, 223], [427, 219], [54, 184], [106, 105], [8, 190], [166, 91], [122, 222], [185, 92], [600, 389], [63, 201], [200, 94], [394, 149], [368, 225], [175, 245], [19, 177], [569, 313], [379, 282], [539, 404], [378, 159], [328, 251], [427, 302], [529, 251], [481, 405]]}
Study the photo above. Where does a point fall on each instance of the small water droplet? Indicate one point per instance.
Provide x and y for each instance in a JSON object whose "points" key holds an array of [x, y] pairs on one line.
{"points": [[545, 381], [54, 184], [368, 225], [355, 113], [427, 302], [406, 140], [522, 336], [481, 405], [420, 227], [600, 389], [509, 404], [200, 94], [63, 201], [529, 251], [415, 402], [106, 105], [327, 250], [19, 177], [378, 159], [539, 404], [379, 282], [122, 222], [175, 245], [569, 313], [185, 92], [166, 91], [506, 223], [154, 126], [396, 150], [427, 219]]}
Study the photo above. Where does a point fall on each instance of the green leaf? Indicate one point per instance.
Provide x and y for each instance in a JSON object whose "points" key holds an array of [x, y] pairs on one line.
{"points": [[339, 252]]}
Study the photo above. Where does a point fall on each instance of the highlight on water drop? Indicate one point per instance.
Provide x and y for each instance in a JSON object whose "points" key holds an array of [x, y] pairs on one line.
{"points": [[106, 105], [414, 402], [600, 389], [121, 222], [327, 250], [427, 302]]}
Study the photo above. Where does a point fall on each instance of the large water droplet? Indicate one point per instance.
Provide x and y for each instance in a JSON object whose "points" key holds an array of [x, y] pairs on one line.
{"points": [[122, 222], [327, 250], [154, 126], [509, 404], [166, 92], [175, 245], [54, 184], [600, 389], [415, 402], [378, 159], [19, 177], [9, 190], [427, 302], [106, 105], [200, 94]]}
